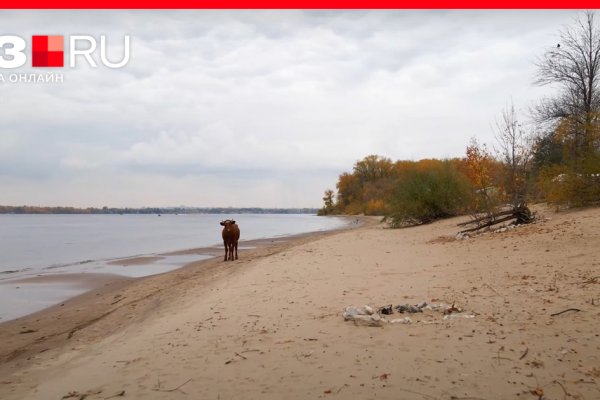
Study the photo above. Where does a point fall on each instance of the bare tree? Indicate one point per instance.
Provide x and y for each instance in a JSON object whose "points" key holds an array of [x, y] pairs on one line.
{"points": [[574, 65], [514, 147]]}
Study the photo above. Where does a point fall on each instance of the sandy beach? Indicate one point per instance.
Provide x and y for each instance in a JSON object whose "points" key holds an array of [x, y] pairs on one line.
{"points": [[270, 325]]}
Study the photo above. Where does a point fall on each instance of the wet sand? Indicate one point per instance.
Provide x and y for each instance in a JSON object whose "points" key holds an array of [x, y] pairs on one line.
{"points": [[270, 326], [98, 296], [28, 293], [125, 262]]}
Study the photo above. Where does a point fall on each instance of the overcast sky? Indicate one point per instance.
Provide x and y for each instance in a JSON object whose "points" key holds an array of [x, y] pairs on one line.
{"points": [[257, 108]]}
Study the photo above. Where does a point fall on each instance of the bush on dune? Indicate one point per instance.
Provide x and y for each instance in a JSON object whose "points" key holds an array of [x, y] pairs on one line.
{"points": [[422, 196]]}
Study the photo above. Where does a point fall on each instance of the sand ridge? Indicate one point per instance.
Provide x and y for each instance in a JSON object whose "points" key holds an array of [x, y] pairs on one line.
{"points": [[270, 327]]}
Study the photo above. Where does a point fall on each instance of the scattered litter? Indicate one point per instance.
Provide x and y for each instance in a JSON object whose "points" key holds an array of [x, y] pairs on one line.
{"points": [[365, 316], [386, 310], [458, 315], [362, 316], [382, 377], [538, 392], [402, 308], [351, 311], [452, 309], [368, 320], [461, 236], [506, 228], [405, 320]]}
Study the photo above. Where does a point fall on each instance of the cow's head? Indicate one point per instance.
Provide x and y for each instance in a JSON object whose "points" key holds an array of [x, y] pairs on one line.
{"points": [[227, 222]]}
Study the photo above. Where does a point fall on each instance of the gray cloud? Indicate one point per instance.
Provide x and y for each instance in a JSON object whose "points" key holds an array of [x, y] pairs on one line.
{"points": [[258, 107]]}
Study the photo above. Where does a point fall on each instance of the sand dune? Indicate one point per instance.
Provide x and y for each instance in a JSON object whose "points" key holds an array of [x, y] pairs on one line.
{"points": [[270, 326]]}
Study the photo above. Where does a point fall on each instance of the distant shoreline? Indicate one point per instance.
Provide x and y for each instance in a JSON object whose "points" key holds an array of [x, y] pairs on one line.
{"points": [[152, 210]]}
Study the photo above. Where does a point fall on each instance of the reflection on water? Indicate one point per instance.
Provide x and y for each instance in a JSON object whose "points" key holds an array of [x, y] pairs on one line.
{"points": [[159, 265], [20, 299], [39, 241], [19, 295]]}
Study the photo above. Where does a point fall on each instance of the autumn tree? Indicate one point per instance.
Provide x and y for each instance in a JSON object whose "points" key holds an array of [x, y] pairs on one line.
{"points": [[480, 169], [563, 180], [367, 188], [372, 168], [328, 207], [479, 165], [349, 194]]}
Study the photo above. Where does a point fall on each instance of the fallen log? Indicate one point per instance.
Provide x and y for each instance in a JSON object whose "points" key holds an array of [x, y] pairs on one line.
{"points": [[520, 215], [487, 217], [487, 224]]}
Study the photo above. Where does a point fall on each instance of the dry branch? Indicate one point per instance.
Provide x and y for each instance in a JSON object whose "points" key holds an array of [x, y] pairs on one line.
{"points": [[563, 388], [524, 353], [486, 217], [178, 388], [487, 224], [120, 394], [591, 280], [564, 311], [521, 215]]}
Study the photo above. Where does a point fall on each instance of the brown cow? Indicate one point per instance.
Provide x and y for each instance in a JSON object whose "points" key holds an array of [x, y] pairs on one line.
{"points": [[231, 235]]}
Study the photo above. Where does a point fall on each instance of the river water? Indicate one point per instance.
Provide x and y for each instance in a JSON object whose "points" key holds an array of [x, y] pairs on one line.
{"points": [[50, 244]]}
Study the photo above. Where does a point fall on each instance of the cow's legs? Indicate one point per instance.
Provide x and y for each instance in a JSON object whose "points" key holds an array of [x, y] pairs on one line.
{"points": [[226, 250], [230, 254], [235, 244]]}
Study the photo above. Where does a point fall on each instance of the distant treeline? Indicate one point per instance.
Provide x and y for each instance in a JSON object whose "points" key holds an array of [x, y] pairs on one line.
{"points": [[153, 210]]}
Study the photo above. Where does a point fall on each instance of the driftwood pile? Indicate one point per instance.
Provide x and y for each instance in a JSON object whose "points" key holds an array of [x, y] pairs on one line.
{"points": [[516, 215]]}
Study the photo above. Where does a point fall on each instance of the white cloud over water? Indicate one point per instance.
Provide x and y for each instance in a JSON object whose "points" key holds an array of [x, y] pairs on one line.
{"points": [[258, 108]]}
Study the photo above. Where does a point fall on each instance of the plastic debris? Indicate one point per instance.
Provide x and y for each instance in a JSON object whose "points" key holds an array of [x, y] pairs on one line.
{"points": [[461, 236], [363, 316], [458, 315], [351, 312], [386, 310], [368, 320], [366, 316], [402, 308], [405, 320], [452, 309]]}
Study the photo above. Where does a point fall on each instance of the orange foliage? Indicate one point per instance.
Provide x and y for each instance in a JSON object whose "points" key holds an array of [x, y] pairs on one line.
{"points": [[376, 207], [375, 180], [479, 165]]}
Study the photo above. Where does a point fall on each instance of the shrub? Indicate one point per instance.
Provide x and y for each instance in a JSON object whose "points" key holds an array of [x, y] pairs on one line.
{"points": [[375, 207], [422, 196], [563, 186]]}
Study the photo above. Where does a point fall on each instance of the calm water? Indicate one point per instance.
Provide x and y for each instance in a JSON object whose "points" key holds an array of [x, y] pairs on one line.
{"points": [[39, 241], [33, 245]]}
